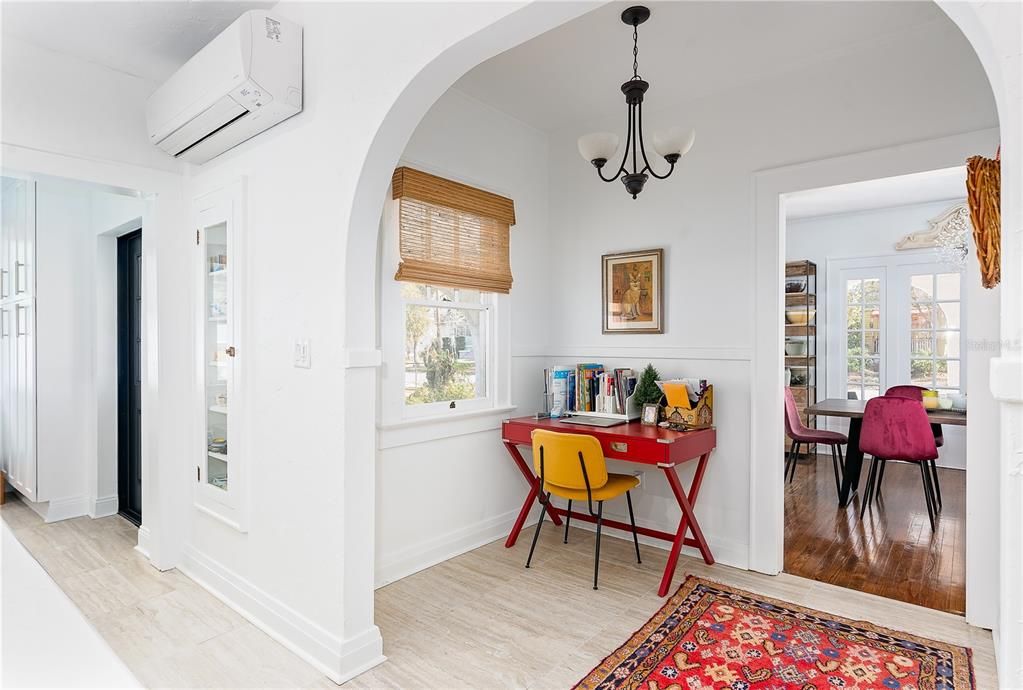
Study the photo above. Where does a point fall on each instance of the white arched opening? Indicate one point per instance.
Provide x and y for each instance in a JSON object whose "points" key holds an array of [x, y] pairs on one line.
{"points": [[995, 45]]}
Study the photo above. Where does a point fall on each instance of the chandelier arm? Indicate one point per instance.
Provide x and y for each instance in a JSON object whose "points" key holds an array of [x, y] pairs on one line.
{"points": [[625, 157], [642, 148]]}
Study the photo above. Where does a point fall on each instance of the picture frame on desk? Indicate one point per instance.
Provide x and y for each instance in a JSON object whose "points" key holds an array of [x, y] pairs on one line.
{"points": [[651, 414], [632, 288]]}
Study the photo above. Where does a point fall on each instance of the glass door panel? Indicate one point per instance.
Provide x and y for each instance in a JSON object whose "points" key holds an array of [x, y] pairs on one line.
{"points": [[219, 355]]}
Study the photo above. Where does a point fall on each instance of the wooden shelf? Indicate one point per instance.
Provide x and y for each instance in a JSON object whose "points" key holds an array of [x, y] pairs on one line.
{"points": [[804, 361], [800, 268], [800, 299], [792, 329]]}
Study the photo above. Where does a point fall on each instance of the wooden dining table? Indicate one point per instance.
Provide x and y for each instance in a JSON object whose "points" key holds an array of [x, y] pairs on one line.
{"points": [[853, 411]]}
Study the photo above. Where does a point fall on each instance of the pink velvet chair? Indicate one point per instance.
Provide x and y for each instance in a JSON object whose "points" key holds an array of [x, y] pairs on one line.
{"points": [[916, 393], [898, 429], [800, 434]]}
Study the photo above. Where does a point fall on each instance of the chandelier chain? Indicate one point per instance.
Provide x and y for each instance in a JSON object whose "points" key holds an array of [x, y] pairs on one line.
{"points": [[635, 51]]}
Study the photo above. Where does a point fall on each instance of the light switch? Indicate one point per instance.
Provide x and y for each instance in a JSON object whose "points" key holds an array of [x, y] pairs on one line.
{"points": [[303, 354]]}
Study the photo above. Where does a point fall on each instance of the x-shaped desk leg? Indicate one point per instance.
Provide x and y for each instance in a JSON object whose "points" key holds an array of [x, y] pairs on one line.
{"points": [[534, 490], [687, 523]]}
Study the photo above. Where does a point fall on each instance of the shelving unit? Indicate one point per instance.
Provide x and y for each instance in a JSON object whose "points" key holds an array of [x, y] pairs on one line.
{"points": [[805, 391]]}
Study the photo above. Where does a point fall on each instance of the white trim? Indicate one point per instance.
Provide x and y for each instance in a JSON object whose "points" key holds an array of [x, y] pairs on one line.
{"points": [[143, 542], [358, 359], [308, 640], [442, 547], [60, 508], [604, 352], [104, 507], [414, 431]]}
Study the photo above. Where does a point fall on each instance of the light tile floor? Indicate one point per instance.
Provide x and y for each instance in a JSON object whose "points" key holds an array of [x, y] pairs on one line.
{"points": [[480, 620]]}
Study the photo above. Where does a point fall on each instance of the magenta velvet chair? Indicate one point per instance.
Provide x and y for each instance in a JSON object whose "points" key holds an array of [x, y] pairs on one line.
{"points": [[916, 393], [800, 434], [898, 429]]}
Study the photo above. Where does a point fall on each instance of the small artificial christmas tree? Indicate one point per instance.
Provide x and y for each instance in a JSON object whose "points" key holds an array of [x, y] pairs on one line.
{"points": [[647, 391]]}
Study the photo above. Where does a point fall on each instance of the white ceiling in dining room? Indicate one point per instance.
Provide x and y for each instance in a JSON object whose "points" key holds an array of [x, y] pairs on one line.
{"points": [[147, 39], [687, 50]]}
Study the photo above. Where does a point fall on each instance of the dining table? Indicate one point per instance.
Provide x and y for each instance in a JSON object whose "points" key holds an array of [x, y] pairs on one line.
{"points": [[853, 411]]}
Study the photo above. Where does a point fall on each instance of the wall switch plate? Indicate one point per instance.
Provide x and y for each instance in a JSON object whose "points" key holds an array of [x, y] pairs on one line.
{"points": [[302, 354]]}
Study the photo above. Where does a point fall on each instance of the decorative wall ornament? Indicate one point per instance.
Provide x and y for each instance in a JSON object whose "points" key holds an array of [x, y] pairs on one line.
{"points": [[946, 232], [983, 187]]}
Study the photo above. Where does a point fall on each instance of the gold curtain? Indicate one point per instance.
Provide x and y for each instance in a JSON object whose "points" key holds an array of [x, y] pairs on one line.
{"points": [[983, 188], [452, 234]]}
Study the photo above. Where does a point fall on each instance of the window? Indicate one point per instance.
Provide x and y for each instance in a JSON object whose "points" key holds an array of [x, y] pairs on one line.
{"points": [[447, 334], [863, 329], [935, 330]]}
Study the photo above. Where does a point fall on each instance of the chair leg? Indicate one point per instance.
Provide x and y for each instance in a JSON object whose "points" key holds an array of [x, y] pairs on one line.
{"points": [[925, 473], [841, 459], [539, 524], [632, 519], [871, 476], [937, 486], [795, 461], [838, 476], [596, 548], [568, 518], [789, 457], [880, 478]]}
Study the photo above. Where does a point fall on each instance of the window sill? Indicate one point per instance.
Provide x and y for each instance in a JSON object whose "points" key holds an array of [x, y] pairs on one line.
{"points": [[412, 431]]}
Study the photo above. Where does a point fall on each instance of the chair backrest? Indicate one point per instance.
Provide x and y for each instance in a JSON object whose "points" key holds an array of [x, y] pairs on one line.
{"points": [[897, 429], [909, 392], [561, 465], [793, 424]]}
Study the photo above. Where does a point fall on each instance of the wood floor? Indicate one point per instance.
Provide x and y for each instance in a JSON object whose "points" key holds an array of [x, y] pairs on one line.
{"points": [[479, 620], [892, 552]]}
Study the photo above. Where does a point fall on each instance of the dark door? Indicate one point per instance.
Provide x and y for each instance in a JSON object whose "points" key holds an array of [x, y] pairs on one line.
{"points": [[129, 376]]}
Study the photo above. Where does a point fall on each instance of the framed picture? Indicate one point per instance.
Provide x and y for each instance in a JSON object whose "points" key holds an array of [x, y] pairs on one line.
{"points": [[633, 292], [651, 414]]}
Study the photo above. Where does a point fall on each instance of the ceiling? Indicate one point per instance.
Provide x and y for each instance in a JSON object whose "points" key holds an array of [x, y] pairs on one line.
{"points": [[937, 185], [687, 50], [145, 39]]}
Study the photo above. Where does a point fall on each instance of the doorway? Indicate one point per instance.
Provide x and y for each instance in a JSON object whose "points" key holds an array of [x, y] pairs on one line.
{"points": [[129, 376]]}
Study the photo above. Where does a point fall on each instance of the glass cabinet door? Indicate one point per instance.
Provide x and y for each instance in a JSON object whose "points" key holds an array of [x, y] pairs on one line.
{"points": [[219, 352]]}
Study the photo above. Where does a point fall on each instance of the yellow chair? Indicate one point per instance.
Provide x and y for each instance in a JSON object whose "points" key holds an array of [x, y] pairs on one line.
{"points": [[572, 466]]}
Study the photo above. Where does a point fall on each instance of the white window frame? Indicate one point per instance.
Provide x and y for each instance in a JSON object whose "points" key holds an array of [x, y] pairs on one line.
{"points": [[402, 424], [895, 272]]}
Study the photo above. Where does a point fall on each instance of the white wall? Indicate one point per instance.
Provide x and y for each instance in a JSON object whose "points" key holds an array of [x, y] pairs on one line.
{"points": [[474, 489], [702, 217], [874, 234], [77, 393]]}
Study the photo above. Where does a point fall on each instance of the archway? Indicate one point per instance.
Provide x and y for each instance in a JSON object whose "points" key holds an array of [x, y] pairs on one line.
{"points": [[361, 355]]}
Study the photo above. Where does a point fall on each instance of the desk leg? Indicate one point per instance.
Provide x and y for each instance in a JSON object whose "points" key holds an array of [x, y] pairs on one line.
{"points": [[534, 490], [687, 523], [853, 463]]}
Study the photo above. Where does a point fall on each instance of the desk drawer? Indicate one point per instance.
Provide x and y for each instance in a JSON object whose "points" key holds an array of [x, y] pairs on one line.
{"points": [[642, 450]]}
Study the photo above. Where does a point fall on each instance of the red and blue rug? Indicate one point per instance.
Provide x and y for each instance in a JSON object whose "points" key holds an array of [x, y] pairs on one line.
{"points": [[710, 636]]}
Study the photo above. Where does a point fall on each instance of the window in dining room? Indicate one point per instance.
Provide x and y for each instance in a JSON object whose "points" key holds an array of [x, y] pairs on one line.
{"points": [[863, 331], [935, 331]]}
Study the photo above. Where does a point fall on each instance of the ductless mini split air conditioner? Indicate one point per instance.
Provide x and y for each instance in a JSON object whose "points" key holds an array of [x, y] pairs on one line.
{"points": [[244, 81]]}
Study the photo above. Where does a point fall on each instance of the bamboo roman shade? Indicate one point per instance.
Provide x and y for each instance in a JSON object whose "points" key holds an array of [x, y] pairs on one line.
{"points": [[452, 234]]}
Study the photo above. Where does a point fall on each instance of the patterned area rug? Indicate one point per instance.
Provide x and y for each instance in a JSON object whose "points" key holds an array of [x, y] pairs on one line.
{"points": [[714, 637]]}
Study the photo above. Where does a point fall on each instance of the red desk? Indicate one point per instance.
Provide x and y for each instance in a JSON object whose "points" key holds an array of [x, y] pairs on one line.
{"points": [[633, 442]]}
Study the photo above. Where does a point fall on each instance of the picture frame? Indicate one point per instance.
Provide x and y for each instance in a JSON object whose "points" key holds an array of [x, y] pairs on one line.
{"points": [[651, 414], [632, 291]]}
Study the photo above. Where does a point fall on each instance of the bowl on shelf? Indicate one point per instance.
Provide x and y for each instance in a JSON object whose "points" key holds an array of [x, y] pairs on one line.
{"points": [[959, 402], [795, 286], [800, 317], [930, 400], [795, 347], [800, 376], [944, 402]]}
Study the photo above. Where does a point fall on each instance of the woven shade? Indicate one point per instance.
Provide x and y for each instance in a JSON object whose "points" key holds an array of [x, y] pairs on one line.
{"points": [[452, 234], [983, 187]]}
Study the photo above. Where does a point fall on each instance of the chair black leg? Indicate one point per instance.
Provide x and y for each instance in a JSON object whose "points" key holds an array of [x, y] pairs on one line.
{"points": [[539, 524], [880, 478], [568, 518], [841, 459], [795, 461], [788, 460], [632, 519], [838, 476], [937, 486], [925, 473], [871, 476], [596, 548]]}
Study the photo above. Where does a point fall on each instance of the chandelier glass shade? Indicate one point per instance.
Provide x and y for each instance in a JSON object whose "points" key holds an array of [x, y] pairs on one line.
{"points": [[671, 144]]}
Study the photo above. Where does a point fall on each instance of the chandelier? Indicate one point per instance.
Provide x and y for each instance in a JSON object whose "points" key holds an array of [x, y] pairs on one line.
{"points": [[671, 144]]}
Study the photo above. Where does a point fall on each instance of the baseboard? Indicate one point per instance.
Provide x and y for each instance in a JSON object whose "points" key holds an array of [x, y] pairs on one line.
{"points": [[104, 507], [143, 544], [433, 551], [339, 659], [60, 508]]}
